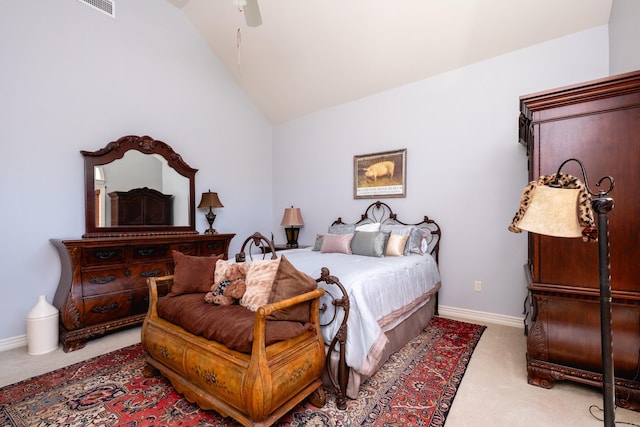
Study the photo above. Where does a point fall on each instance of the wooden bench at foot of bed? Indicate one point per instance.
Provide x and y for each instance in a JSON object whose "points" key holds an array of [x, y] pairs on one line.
{"points": [[255, 389]]}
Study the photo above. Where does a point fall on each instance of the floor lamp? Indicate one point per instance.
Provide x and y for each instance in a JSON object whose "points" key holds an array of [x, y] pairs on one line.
{"points": [[553, 211]]}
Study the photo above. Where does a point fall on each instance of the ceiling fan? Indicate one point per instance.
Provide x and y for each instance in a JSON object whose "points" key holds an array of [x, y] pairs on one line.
{"points": [[251, 11]]}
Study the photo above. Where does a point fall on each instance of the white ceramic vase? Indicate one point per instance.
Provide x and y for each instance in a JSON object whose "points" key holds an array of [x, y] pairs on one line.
{"points": [[42, 327]]}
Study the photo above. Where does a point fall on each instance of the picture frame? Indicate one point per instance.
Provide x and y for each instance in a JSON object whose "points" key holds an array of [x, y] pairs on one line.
{"points": [[379, 175]]}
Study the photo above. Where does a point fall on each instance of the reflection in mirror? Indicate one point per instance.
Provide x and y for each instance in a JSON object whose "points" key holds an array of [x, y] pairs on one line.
{"points": [[136, 171], [138, 186]]}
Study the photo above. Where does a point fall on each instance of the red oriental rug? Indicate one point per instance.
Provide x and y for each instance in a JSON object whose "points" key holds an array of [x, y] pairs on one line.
{"points": [[415, 387]]}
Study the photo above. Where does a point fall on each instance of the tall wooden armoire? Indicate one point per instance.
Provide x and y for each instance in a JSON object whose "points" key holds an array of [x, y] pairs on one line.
{"points": [[597, 122]]}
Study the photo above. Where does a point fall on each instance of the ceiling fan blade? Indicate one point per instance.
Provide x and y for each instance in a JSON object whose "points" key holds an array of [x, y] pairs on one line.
{"points": [[252, 13]]}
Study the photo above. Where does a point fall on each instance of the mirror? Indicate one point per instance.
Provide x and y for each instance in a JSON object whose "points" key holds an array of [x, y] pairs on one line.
{"points": [[138, 186]]}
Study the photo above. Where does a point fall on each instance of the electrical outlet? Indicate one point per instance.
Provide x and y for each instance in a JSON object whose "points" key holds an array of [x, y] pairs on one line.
{"points": [[477, 286]]}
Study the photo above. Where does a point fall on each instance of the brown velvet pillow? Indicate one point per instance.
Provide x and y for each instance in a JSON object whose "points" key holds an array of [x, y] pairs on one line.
{"points": [[290, 282], [193, 273]]}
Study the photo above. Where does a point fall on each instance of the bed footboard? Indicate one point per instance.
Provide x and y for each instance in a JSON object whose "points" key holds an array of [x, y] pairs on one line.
{"points": [[339, 341]]}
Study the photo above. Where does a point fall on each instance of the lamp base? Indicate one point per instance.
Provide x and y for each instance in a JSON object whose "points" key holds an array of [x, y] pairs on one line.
{"points": [[211, 216], [292, 236]]}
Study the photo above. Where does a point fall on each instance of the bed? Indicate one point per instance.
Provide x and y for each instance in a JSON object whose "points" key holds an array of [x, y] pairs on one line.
{"points": [[379, 303], [365, 308]]}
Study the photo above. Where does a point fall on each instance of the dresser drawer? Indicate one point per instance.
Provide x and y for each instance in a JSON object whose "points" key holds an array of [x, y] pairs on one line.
{"points": [[148, 252], [97, 282], [103, 255], [139, 273], [213, 247], [187, 248], [106, 308], [140, 299]]}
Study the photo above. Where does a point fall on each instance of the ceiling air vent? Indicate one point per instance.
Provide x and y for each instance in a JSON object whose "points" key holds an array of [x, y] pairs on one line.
{"points": [[104, 6]]}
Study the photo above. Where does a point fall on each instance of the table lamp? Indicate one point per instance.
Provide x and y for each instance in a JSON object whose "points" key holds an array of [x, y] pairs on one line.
{"points": [[210, 200], [292, 221]]}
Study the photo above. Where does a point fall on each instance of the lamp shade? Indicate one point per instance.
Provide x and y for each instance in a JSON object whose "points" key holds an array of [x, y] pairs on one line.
{"points": [[552, 212], [292, 217], [210, 200]]}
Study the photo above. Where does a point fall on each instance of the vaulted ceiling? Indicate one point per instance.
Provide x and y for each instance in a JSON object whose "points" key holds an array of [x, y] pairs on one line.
{"points": [[313, 54]]}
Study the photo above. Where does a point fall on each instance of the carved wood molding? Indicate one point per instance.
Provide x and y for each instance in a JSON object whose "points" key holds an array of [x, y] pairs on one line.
{"points": [[544, 374], [537, 339]]}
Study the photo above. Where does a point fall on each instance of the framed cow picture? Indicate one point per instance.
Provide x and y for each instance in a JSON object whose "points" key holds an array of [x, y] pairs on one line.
{"points": [[380, 175]]}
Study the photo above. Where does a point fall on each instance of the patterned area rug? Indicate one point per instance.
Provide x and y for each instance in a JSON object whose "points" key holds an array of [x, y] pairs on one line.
{"points": [[415, 387]]}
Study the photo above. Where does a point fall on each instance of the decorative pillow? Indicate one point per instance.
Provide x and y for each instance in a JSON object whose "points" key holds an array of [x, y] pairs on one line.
{"points": [[374, 226], [399, 230], [222, 270], [425, 242], [416, 241], [340, 243], [318, 244], [369, 243], [260, 277], [396, 245], [342, 228], [192, 273], [289, 283]]}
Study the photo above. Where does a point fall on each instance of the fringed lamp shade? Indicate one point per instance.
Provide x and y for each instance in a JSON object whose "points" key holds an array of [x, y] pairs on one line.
{"points": [[552, 212], [292, 220]]}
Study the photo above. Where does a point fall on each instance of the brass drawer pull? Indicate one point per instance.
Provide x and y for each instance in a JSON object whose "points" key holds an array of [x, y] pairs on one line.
{"points": [[152, 273], [102, 280], [105, 308], [145, 252], [105, 254]]}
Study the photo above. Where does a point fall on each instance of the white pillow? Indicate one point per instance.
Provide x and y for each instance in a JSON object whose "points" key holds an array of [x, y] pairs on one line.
{"points": [[374, 226]]}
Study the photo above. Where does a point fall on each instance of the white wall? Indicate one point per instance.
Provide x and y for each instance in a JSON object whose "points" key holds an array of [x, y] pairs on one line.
{"points": [[624, 33], [72, 79], [465, 167]]}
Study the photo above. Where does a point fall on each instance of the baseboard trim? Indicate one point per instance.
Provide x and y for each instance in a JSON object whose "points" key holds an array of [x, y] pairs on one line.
{"points": [[480, 316], [13, 343], [453, 312]]}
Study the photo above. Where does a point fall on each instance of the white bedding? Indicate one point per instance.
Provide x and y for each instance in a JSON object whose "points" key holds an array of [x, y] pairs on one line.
{"points": [[382, 293]]}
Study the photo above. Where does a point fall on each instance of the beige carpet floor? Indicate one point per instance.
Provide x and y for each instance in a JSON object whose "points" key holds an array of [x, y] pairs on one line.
{"points": [[494, 391]]}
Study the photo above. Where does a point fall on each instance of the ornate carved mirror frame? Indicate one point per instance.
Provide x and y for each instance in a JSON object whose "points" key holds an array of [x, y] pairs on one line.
{"points": [[116, 150]]}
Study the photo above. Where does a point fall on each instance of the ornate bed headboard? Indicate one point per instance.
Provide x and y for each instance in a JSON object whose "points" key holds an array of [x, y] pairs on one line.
{"points": [[382, 213]]}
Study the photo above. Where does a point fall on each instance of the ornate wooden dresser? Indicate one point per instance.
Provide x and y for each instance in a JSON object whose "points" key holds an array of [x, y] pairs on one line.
{"points": [[103, 284], [598, 123], [103, 281]]}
